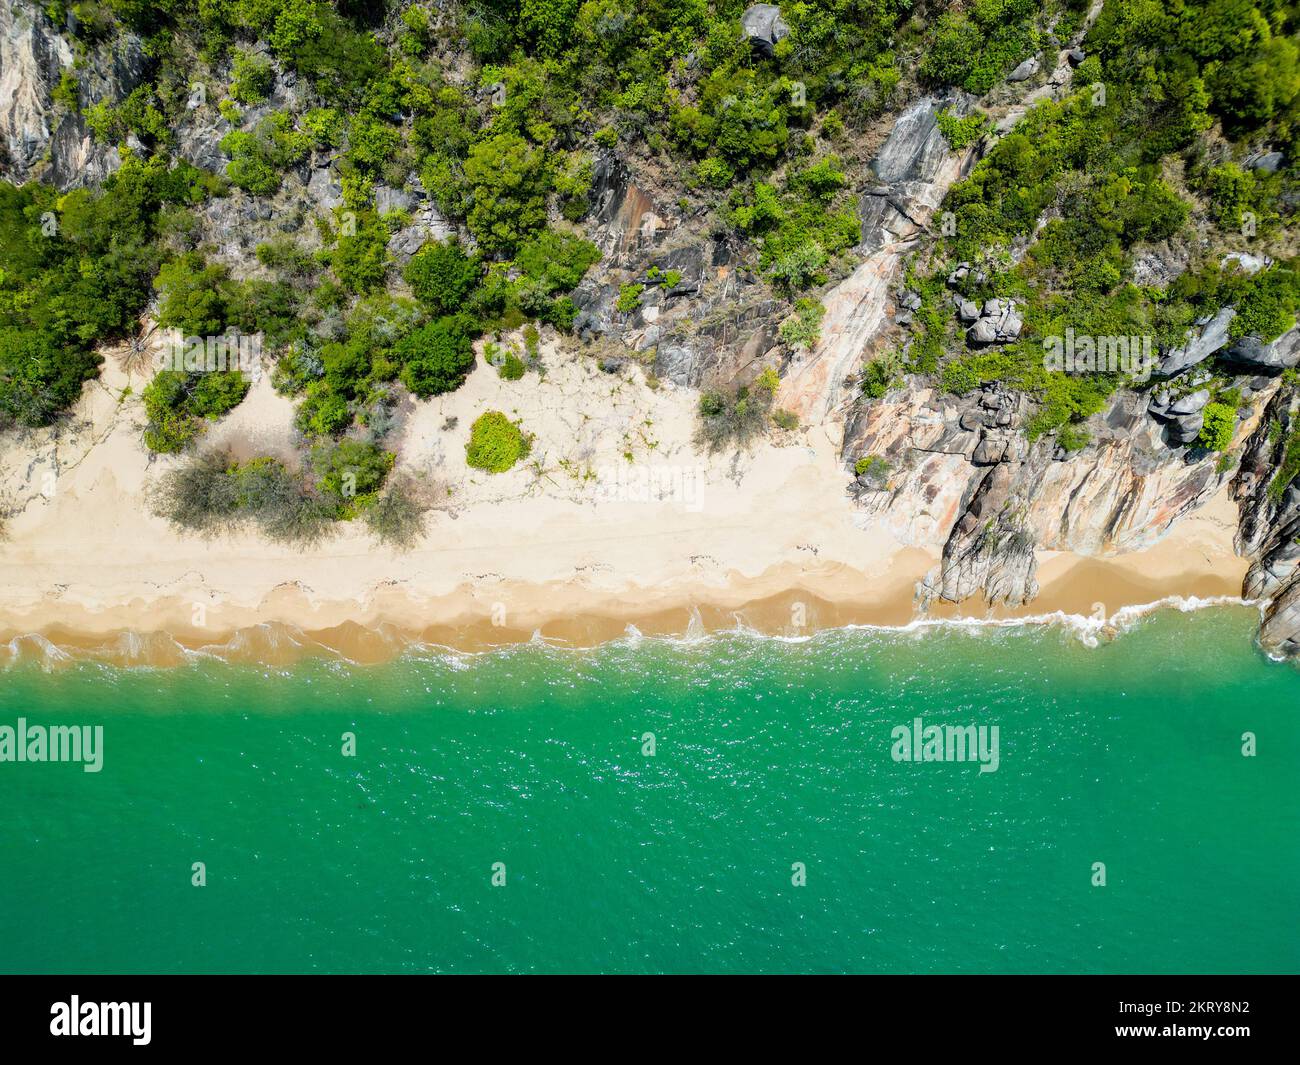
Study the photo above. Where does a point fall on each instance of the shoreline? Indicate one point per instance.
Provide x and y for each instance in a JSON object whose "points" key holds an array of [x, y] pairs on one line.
{"points": [[768, 540], [286, 629]]}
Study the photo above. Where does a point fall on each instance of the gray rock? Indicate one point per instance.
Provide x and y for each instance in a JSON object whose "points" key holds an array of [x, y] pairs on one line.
{"points": [[1268, 163], [763, 26], [990, 451], [1182, 431], [1190, 404], [1280, 354], [967, 310], [1249, 264], [959, 273], [1280, 632], [1025, 70], [910, 300], [324, 189], [1010, 326], [1075, 56], [985, 331], [971, 421], [1199, 347], [994, 308], [390, 199]]}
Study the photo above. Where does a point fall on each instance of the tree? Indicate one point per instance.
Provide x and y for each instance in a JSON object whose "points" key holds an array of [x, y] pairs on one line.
{"points": [[508, 180], [1220, 421], [436, 358], [441, 276]]}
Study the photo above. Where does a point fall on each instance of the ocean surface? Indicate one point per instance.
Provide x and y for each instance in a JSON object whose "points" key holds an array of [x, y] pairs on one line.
{"points": [[528, 765]]}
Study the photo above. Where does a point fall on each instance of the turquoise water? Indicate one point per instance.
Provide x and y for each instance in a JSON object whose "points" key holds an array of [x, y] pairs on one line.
{"points": [[766, 754]]}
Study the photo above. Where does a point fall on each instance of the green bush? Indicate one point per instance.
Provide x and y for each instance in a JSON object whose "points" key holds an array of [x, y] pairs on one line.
{"points": [[732, 418], [350, 473], [495, 443], [442, 276], [436, 358], [212, 494], [177, 403], [251, 78], [1220, 422]]}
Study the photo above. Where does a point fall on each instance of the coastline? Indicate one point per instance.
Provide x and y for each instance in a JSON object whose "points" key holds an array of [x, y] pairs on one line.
{"points": [[289, 626], [767, 540]]}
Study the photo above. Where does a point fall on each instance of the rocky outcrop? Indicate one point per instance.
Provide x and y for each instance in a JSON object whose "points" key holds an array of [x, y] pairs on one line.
{"points": [[1279, 631], [1256, 354], [1207, 338], [1269, 529], [762, 24], [43, 141], [914, 169], [996, 322], [32, 58], [963, 475]]}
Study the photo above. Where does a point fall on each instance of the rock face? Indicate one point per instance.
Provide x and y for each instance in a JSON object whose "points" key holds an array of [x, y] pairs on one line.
{"points": [[40, 140], [1253, 353], [1269, 529], [1201, 344], [914, 169], [762, 24], [32, 58], [963, 475]]}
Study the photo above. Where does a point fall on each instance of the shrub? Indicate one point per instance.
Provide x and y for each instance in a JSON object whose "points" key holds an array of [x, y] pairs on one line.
{"points": [[177, 402], [803, 329], [436, 358], [397, 516], [961, 132], [441, 276], [495, 443], [732, 418], [251, 78], [351, 472], [212, 493], [1220, 421], [629, 297]]}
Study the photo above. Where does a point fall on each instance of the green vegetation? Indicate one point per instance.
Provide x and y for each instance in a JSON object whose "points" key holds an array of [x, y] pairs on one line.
{"points": [[1220, 422], [177, 402], [733, 419], [212, 494], [803, 329], [961, 133], [75, 272], [1096, 166], [496, 443]]}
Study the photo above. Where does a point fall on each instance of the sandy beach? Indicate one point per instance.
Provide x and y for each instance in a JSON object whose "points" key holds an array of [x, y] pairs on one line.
{"points": [[615, 521]]}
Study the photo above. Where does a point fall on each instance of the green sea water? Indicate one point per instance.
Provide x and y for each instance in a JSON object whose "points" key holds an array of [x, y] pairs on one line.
{"points": [[766, 754]]}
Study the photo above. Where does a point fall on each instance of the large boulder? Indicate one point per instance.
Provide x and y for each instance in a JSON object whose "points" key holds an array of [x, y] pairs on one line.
{"points": [[1190, 404], [1280, 354], [763, 26], [1201, 344], [1025, 70], [1280, 632]]}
